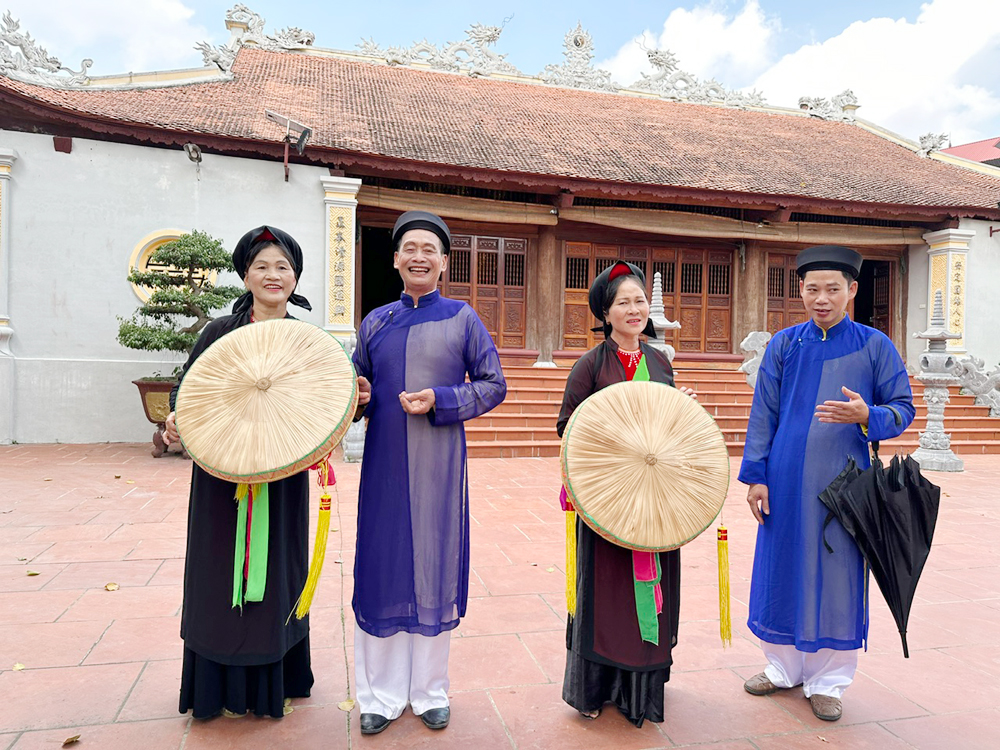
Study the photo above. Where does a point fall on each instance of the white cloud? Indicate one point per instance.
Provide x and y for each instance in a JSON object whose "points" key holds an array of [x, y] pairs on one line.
{"points": [[707, 43], [937, 73], [118, 35], [907, 76]]}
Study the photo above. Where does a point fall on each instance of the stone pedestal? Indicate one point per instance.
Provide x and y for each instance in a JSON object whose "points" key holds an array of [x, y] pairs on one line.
{"points": [[938, 370]]}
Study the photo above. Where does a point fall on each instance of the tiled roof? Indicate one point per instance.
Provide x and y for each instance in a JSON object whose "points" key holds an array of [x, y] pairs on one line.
{"points": [[526, 129], [988, 150]]}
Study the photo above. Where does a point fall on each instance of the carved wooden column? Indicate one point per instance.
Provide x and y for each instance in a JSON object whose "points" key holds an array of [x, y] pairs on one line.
{"points": [[7, 159], [547, 297], [948, 251], [341, 203], [750, 301]]}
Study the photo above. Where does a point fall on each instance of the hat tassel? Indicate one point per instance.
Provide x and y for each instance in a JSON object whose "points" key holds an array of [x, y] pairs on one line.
{"points": [[725, 616], [326, 479]]}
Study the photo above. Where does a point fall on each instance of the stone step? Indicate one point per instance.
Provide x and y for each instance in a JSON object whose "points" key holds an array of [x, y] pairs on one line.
{"points": [[519, 406]]}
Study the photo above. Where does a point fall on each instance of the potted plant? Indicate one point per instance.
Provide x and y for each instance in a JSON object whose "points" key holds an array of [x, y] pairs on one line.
{"points": [[182, 296]]}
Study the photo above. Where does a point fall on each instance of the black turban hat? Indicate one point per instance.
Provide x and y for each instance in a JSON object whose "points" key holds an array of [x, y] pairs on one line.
{"points": [[599, 289], [422, 220], [252, 243], [828, 258]]}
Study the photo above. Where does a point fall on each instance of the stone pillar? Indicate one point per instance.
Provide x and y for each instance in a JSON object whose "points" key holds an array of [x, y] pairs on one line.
{"points": [[7, 159], [341, 203], [547, 297], [949, 250], [340, 198]]}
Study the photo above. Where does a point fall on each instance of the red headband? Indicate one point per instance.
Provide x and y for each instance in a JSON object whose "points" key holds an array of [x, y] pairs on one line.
{"points": [[620, 269]]}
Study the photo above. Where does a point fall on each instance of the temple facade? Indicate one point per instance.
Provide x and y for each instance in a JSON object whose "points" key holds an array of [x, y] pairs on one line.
{"points": [[544, 179]]}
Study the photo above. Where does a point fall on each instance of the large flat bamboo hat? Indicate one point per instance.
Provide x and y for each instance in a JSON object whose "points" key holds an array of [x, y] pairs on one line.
{"points": [[645, 465], [267, 401]]}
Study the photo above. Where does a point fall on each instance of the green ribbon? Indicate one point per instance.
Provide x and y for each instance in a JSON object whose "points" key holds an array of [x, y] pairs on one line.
{"points": [[645, 606], [645, 596], [641, 371], [259, 528], [256, 578], [239, 551]]}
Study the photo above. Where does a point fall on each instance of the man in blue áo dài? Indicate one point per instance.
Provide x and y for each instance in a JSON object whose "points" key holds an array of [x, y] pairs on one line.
{"points": [[411, 573], [808, 606]]}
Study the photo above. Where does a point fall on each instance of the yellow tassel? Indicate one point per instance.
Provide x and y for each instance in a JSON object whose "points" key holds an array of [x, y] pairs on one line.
{"points": [[319, 555], [571, 562], [242, 490], [319, 547], [725, 617]]}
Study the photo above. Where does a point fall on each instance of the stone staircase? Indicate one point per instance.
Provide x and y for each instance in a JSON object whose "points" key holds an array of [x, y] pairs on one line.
{"points": [[524, 424]]}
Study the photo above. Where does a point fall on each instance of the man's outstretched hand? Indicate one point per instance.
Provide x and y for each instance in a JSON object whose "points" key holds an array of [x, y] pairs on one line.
{"points": [[852, 411]]}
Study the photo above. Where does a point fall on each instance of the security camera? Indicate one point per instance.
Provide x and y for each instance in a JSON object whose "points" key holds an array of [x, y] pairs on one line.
{"points": [[291, 126], [193, 152]]}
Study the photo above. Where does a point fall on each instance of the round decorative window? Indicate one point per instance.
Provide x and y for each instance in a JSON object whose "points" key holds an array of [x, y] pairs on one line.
{"points": [[140, 259]]}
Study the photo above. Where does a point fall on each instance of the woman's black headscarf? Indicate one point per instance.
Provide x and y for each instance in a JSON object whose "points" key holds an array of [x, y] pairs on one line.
{"points": [[252, 243], [599, 290]]}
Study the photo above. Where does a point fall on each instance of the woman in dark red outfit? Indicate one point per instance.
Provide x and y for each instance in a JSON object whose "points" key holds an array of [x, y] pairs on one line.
{"points": [[607, 659]]}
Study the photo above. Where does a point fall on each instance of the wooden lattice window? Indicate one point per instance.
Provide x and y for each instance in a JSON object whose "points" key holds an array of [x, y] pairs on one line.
{"points": [[666, 271], [486, 271], [577, 273], [691, 278], [776, 282], [718, 279]]}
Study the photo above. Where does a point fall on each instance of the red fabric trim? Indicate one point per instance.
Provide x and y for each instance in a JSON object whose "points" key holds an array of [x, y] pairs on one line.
{"points": [[620, 269]]}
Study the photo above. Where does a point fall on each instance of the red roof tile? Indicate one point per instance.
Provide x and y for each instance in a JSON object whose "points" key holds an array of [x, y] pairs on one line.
{"points": [[988, 150], [521, 128]]}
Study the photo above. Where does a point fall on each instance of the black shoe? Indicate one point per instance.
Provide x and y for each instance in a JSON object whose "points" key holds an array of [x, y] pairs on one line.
{"points": [[374, 723], [436, 718]]}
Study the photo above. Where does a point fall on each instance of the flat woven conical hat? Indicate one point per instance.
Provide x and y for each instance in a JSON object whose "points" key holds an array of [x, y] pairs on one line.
{"points": [[645, 465], [267, 401]]}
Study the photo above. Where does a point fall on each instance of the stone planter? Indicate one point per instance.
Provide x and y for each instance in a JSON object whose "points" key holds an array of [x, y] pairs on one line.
{"points": [[155, 396]]}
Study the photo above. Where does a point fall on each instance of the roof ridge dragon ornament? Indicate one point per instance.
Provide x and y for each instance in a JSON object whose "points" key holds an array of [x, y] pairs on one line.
{"points": [[23, 59], [670, 82], [248, 30], [472, 56]]}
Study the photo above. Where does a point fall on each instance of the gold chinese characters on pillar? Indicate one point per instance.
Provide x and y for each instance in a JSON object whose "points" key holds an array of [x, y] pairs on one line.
{"points": [[949, 259], [340, 305]]}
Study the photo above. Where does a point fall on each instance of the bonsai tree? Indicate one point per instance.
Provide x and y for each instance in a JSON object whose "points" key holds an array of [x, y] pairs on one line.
{"points": [[183, 294]]}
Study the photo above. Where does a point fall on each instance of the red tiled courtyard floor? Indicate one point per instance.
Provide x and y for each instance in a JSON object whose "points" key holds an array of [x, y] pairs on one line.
{"points": [[105, 665]]}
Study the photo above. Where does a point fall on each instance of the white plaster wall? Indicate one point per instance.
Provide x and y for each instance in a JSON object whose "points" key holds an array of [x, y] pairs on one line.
{"points": [[75, 221], [982, 334], [982, 313]]}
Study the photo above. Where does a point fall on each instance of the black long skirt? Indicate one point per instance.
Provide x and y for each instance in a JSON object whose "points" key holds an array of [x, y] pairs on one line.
{"points": [[587, 686], [207, 686]]}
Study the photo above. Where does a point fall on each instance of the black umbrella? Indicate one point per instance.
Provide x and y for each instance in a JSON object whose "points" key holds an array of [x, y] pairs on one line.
{"points": [[890, 514]]}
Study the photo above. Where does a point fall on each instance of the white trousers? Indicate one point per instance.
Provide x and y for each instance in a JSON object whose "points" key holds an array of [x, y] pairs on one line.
{"points": [[827, 672], [403, 668]]}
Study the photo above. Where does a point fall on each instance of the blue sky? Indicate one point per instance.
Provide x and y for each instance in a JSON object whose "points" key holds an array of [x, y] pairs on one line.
{"points": [[915, 67]]}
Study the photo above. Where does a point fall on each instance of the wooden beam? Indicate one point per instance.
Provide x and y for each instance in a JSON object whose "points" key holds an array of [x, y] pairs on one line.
{"points": [[701, 225], [458, 207]]}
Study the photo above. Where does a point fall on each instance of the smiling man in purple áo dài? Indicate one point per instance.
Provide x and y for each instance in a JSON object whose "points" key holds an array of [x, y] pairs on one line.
{"points": [[411, 574]]}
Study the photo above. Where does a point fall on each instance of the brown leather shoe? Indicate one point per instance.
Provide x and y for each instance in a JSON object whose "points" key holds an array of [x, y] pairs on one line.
{"points": [[760, 685], [826, 707]]}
